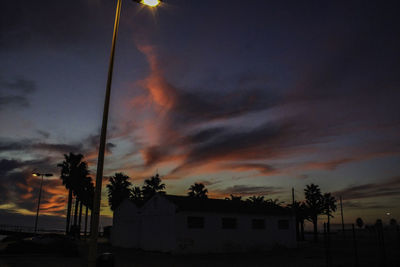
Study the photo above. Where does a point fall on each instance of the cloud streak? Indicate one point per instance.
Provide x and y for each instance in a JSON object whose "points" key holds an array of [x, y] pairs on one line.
{"points": [[194, 130], [387, 188]]}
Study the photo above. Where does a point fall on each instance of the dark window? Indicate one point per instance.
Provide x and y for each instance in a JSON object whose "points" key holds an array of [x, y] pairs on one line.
{"points": [[228, 223], [195, 222], [258, 224], [283, 224]]}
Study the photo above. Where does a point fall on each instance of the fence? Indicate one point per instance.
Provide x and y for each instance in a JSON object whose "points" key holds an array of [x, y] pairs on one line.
{"points": [[373, 246], [26, 229]]}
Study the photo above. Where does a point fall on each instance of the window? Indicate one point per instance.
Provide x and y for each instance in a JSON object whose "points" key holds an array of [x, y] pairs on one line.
{"points": [[228, 223], [258, 224], [283, 224], [195, 222]]}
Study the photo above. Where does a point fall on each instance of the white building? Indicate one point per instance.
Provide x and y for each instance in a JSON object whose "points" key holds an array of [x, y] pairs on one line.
{"points": [[181, 224]]}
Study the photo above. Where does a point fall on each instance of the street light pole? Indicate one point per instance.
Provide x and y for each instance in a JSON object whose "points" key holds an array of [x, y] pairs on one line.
{"points": [[40, 196], [94, 223], [95, 217]]}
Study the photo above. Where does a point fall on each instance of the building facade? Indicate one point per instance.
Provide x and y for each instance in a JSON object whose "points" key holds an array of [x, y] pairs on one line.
{"points": [[181, 224]]}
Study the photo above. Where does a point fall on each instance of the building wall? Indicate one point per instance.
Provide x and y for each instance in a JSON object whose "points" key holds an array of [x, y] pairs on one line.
{"points": [[158, 225], [125, 231], [212, 238]]}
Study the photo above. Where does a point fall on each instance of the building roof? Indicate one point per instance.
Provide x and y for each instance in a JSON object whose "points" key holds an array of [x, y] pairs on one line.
{"points": [[185, 203]]}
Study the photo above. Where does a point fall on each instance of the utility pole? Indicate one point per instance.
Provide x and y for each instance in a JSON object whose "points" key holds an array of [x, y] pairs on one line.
{"points": [[341, 213], [293, 196], [40, 195]]}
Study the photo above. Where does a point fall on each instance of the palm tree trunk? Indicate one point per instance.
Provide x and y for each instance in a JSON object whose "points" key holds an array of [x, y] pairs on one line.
{"points": [[69, 211], [328, 226], [86, 218], [76, 211], [302, 229], [80, 217], [315, 224]]}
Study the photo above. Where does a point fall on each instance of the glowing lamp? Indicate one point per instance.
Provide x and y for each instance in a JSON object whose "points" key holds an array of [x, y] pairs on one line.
{"points": [[151, 3]]}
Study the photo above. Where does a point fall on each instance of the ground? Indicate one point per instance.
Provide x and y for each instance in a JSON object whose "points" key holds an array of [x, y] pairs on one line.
{"points": [[308, 254]]}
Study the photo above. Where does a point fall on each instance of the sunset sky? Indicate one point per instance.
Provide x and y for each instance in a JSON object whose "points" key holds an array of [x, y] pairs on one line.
{"points": [[248, 97]]}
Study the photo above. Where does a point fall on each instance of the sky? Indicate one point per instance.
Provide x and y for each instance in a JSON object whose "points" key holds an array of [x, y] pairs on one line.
{"points": [[248, 97]]}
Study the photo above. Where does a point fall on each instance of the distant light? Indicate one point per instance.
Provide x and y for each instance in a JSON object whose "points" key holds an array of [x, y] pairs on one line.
{"points": [[388, 213], [35, 174], [151, 3]]}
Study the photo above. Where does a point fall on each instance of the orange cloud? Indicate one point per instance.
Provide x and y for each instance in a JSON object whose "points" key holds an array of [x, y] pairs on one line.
{"points": [[160, 91]]}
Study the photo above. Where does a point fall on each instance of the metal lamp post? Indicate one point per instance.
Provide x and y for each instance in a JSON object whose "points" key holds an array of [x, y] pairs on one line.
{"points": [[94, 224], [40, 195]]}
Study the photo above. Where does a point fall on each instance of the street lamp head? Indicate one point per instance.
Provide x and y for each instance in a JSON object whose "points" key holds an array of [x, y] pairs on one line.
{"points": [[150, 3], [42, 174]]}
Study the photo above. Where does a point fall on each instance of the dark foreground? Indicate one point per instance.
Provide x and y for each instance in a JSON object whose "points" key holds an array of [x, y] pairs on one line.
{"points": [[341, 253]]}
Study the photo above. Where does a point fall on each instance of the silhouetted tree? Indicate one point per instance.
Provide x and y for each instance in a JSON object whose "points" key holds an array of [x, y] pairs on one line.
{"points": [[273, 203], [136, 194], [359, 222], [301, 213], [235, 198], [87, 198], [152, 186], [379, 225], [72, 170], [198, 190], [315, 205], [255, 200], [118, 190], [329, 207]]}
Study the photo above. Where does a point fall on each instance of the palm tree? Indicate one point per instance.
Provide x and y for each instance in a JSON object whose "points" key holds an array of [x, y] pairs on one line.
{"points": [[89, 194], [118, 190], [359, 222], [255, 200], [301, 213], [315, 205], [72, 168], [198, 190], [329, 207], [152, 186], [235, 198], [86, 198], [273, 203], [136, 194]]}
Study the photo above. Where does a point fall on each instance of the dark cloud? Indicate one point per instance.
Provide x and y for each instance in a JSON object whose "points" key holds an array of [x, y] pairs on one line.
{"points": [[18, 85], [14, 93], [387, 188], [368, 205], [8, 165], [245, 190], [18, 186], [62, 148], [24, 23], [198, 107], [28, 145], [92, 142], [13, 101], [43, 134], [328, 101]]}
